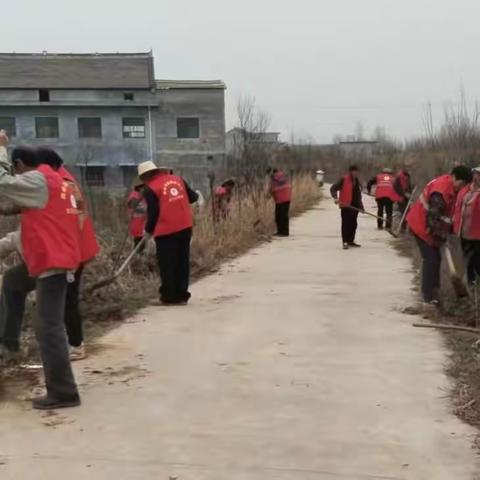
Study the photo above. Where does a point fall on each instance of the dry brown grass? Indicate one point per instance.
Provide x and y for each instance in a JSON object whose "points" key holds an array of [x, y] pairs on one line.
{"points": [[250, 222]]}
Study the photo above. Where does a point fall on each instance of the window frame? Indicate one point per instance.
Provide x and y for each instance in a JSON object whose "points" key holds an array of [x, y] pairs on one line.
{"points": [[127, 134], [43, 95], [11, 132], [130, 95], [43, 118], [80, 119], [90, 169], [180, 119]]}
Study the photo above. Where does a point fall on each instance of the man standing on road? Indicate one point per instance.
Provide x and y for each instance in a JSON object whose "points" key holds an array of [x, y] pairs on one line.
{"points": [[281, 190], [350, 196], [430, 221], [50, 243], [385, 196], [466, 225], [169, 221]]}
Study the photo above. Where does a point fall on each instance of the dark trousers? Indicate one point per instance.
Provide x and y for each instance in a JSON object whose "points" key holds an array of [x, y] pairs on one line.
{"points": [[282, 219], [471, 252], [73, 317], [17, 284], [431, 263], [173, 255], [349, 224], [385, 206], [136, 241], [51, 298]]}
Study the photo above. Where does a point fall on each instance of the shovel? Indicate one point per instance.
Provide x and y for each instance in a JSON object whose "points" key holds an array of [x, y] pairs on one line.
{"points": [[458, 285], [394, 235], [107, 281]]}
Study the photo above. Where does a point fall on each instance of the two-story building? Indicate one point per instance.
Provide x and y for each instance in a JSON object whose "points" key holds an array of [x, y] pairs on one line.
{"points": [[105, 113]]}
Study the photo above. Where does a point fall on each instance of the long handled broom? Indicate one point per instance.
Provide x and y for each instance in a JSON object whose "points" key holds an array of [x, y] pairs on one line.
{"points": [[458, 285], [393, 234], [405, 213], [107, 281]]}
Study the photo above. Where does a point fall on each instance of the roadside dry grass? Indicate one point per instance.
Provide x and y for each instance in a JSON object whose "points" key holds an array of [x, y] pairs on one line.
{"points": [[251, 221]]}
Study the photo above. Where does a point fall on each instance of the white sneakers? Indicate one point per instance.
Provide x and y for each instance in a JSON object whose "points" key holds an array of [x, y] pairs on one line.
{"points": [[78, 353]]}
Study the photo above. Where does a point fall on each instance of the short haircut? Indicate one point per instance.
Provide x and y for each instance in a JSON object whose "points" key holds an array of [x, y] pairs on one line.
{"points": [[461, 172], [27, 155], [229, 183], [47, 156], [353, 168]]}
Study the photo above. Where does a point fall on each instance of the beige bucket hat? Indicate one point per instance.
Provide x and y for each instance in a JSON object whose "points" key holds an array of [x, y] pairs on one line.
{"points": [[146, 167]]}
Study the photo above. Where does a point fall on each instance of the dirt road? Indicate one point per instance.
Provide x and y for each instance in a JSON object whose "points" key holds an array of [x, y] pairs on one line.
{"points": [[291, 363]]}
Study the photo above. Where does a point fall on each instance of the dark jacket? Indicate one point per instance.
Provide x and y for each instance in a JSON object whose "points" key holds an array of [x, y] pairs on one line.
{"points": [[357, 200]]}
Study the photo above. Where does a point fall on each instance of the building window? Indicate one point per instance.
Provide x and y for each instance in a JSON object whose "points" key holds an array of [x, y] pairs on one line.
{"points": [[129, 97], [8, 124], [129, 175], [46, 127], [188, 128], [44, 95], [94, 176], [134, 127], [90, 127]]}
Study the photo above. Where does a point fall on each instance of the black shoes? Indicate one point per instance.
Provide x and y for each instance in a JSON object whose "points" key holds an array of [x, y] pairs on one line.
{"points": [[346, 246], [354, 245], [49, 403]]}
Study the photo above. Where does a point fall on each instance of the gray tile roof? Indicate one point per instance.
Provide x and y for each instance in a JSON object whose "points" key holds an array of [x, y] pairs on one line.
{"points": [[190, 84], [82, 71]]}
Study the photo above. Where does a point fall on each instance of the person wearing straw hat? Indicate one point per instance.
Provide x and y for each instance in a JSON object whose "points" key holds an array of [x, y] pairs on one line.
{"points": [[169, 222], [466, 224]]}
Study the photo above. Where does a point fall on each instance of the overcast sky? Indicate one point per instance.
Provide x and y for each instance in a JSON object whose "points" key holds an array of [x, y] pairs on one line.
{"points": [[317, 66]]}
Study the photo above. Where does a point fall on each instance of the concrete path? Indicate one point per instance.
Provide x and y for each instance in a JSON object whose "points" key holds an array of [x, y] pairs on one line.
{"points": [[291, 363]]}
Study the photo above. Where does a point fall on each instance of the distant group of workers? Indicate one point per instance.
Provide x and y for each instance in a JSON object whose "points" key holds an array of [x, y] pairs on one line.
{"points": [[56, 239], [449, 204]]}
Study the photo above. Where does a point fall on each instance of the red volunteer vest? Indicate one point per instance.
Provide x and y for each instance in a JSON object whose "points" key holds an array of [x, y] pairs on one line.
{"points": [[138, 220], [467, 222], [88, 238], [346, 193], [175, 211], [385, 187], [51, 235], [281, 188], [417, 217]]}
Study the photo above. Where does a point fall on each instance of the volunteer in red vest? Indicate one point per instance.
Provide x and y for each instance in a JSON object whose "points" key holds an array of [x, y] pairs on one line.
{"points": [[403, 189], [50, 241], [89, 250], [347, 192], [467, 225], [223, 197], [137, 214], [430, 221], [281, 191], [385, 196], [169, 222]]}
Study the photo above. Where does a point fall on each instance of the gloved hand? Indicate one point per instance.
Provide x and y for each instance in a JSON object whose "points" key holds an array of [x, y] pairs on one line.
{"points": [[336, 201]]}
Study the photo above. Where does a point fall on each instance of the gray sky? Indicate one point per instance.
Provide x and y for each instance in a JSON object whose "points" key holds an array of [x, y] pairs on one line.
{"points": [[317, 66]]}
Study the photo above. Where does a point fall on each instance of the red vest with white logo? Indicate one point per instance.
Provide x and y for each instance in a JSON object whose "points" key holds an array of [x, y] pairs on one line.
{"points": [[466, 220], [138, 219], [175, 211], [88, 238], [417, 217], [51, 235], [281, 188], [346, 193], [385, 187]]}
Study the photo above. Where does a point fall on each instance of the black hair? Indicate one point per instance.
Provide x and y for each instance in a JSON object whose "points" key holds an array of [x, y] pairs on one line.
{"points": [[229, 183], [461, 172], [353, 168], [27, 155], [47, 156]]}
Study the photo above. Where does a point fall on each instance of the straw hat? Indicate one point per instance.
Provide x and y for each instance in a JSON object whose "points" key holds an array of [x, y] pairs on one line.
{"points": [[146, 167]]}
